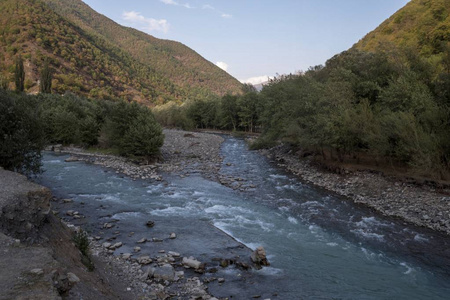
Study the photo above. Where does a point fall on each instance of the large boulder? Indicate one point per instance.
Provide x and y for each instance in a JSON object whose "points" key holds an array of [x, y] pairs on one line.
{"points": [[259, 257]]}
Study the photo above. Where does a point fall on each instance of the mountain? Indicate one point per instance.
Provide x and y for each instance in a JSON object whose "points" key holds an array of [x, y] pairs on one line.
{"points": [[421, 25], [94, 56]]}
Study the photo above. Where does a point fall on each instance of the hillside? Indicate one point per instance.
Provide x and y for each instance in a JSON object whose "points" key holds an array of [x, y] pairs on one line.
{"points": [[422, 26], [96, 57]]}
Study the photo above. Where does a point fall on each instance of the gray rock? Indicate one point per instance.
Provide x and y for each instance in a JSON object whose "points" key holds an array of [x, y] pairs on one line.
{"points": [[191, 263], [126, 256], [173, 235], [144, 260], [117, 245], [174, 254], [37, 271], [165, 272], [72, 278]]}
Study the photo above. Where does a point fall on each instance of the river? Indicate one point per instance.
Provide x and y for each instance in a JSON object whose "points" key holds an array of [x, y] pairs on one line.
{"points": [[319, 245]]}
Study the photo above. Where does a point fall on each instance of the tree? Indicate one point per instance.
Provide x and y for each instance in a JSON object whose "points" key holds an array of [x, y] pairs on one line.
{"points": [[46, 79], [21, 133], [144, 136], [19, 75]]}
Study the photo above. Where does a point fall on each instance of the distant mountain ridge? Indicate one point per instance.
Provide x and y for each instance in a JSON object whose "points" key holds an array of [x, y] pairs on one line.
{"points": [[95, 56]]}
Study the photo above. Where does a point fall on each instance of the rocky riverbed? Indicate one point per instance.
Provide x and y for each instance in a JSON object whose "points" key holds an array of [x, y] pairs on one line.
{"points": [[160, 274], [424, 206], [182, 153], [166, 274]]}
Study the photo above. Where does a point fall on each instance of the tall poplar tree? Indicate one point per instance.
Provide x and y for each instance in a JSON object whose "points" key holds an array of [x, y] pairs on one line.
{"points": [[46, 79], [19, 75]]}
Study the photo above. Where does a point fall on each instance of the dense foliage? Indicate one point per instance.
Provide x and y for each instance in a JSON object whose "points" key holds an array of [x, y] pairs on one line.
{"points": [[21, 133], [94, 56], [422, 25], [27, 123], [359, 105]]}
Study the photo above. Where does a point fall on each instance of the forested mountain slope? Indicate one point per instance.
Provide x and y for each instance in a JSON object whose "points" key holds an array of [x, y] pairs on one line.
{"points": [[422, 26], [94, 56]]}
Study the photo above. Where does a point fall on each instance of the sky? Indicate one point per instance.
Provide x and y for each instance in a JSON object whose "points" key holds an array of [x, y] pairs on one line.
{"points": [[255, 39]]}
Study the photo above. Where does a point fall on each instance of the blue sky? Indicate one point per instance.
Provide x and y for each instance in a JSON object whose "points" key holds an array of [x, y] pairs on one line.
{"points": [[254, 39]]}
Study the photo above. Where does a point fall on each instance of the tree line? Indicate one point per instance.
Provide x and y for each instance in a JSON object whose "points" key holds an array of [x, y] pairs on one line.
{"points": [[389, 107], [29, 122]]}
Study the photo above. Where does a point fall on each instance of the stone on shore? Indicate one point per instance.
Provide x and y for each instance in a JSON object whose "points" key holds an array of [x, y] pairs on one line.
{"points": [[144, 260], [191, 263], [165, 272]]}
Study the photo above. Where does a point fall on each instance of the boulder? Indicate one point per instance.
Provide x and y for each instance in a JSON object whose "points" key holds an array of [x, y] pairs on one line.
{"points": [[259, 257], [173, 235], [174, 254], [144, 260], [72, 278], [191, 263], [165, 272], [116, 245], [150, 223]]}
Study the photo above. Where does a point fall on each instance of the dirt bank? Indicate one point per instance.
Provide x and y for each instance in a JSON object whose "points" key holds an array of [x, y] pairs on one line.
{"points": [[39, 258]]}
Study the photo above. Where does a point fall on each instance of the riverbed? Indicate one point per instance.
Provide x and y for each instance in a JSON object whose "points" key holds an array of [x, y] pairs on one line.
{"points": [[320, 246]]}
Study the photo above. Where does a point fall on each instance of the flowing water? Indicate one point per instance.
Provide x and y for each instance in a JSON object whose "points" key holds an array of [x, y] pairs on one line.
{"points": [[320, 246]]}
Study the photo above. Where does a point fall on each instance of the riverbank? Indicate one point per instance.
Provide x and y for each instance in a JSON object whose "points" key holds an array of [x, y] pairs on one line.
{"points": [[191, 152], [149, 271], [423, 206], [183, 153], [115, 210]]}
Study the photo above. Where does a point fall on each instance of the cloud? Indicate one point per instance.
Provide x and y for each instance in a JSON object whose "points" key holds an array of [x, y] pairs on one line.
{"points": [[210, 7], [147, 24], [222, 65], [172, 2], [256, 80]]}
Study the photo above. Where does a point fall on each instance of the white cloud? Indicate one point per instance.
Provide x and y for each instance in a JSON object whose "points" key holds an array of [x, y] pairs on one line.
{"points": [[256, 80], [227, 16], [147, 24], [222, 65], [172, 2], [207, 6]]}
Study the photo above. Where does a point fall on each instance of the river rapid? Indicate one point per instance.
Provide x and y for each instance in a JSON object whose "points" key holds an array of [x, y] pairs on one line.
{"points": [[320, 246]]}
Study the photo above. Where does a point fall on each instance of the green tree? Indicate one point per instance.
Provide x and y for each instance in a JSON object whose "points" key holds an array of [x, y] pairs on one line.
{"points": [[46, 78], [21, 133], [19, 75], [144, 136]]}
